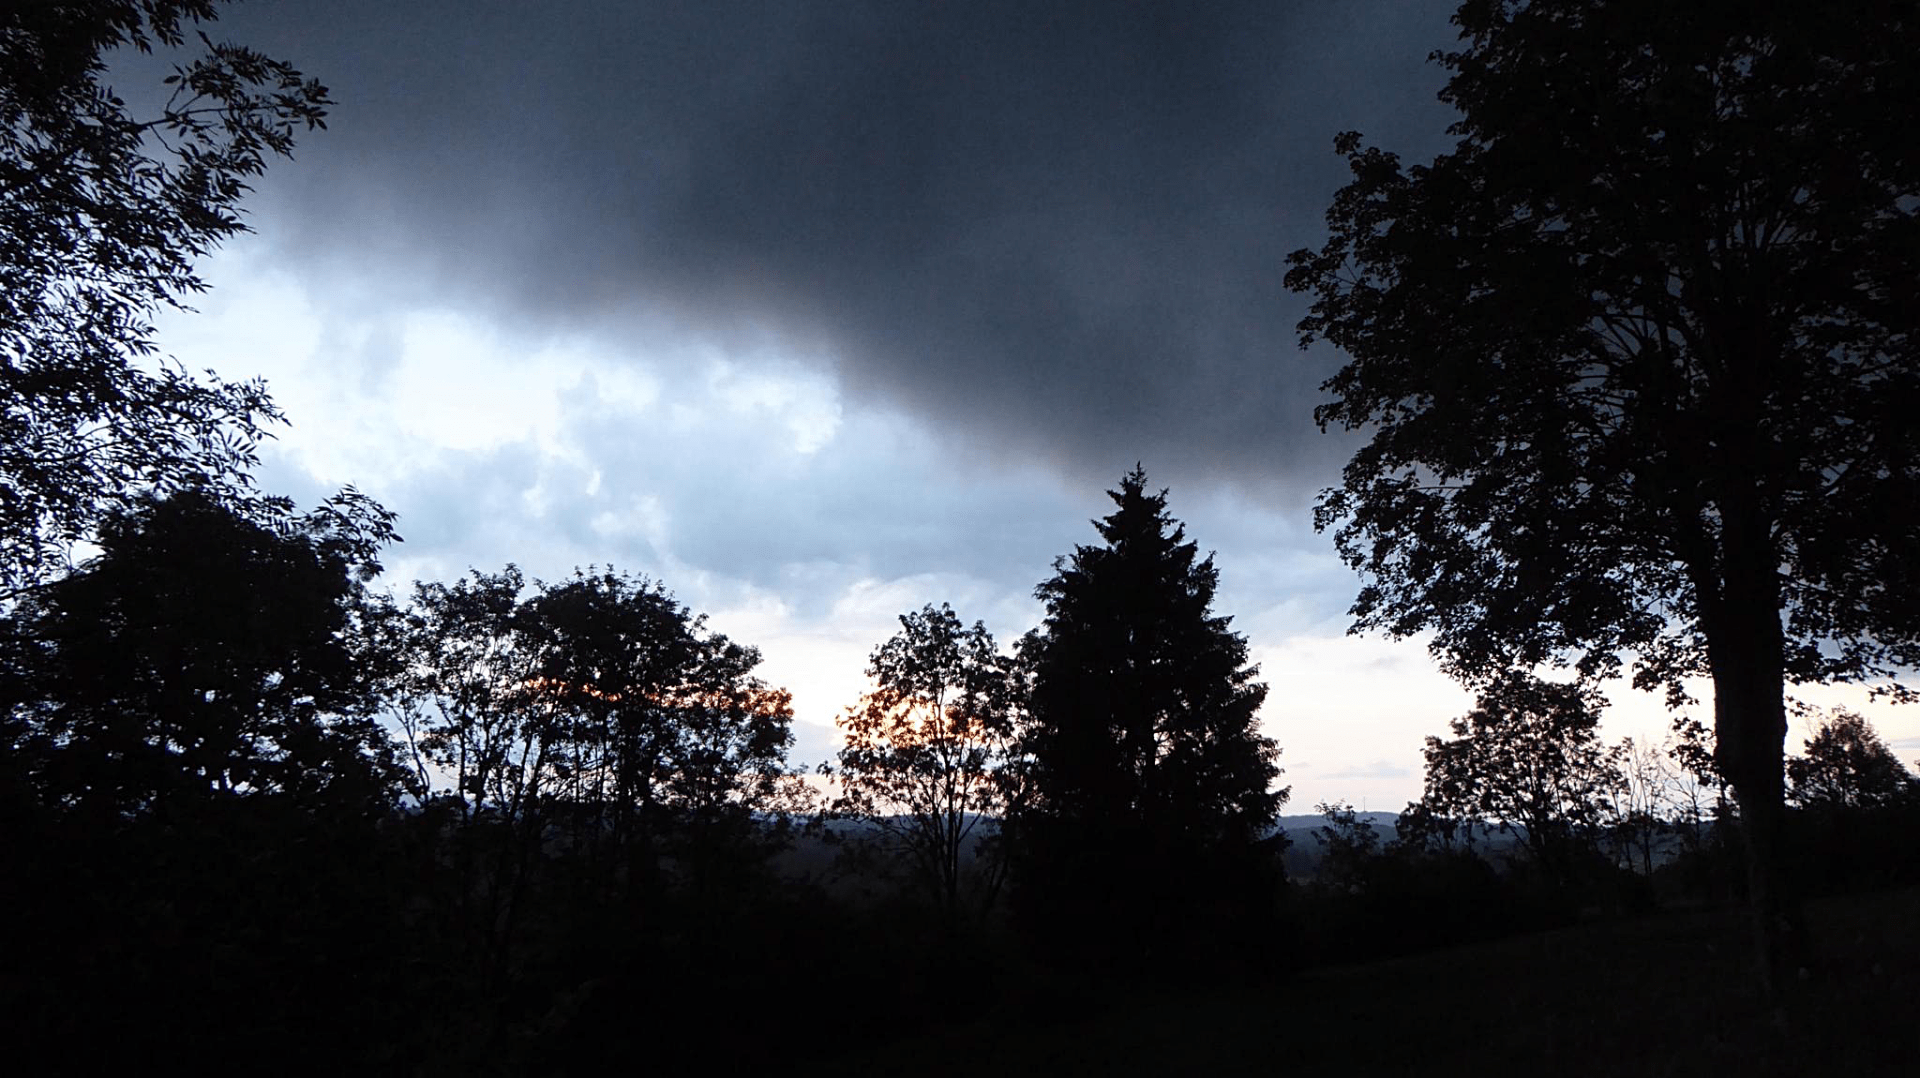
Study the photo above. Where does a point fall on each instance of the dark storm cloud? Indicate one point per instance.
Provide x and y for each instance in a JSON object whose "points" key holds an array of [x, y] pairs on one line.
{"points": [[1058, 227]]}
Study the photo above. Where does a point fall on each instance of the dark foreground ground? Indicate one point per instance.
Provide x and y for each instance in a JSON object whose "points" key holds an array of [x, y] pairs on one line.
{"points": [[1662, 995]]}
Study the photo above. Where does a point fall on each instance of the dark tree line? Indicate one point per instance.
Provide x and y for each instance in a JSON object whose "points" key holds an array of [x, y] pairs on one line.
{"points": [[523, 792], [503, 824], [1633, 358]]}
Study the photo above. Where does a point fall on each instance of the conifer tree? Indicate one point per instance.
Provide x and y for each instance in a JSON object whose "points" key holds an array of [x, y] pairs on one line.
{"points": [[1149, 776]]}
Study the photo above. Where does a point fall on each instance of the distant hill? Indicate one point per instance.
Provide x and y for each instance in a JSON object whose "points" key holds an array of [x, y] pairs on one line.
{"points": [[1382, 822], [1303, 848]]}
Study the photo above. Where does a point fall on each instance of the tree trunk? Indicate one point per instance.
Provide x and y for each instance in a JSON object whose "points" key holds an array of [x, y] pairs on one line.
{"points": [[1746, 648]]}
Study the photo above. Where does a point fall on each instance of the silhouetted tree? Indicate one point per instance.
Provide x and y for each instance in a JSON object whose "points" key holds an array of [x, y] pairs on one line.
{"points": [[1423, 828], [927, 750], [666, 739], [1644, 780], [1846, 766], [1148, 779], [201, 866], [102, 216], [1638, 359], [207, 652], [599, 709], [1696, 796], [1528, 758], [1347, 844], [481, 739], [472, 726]]}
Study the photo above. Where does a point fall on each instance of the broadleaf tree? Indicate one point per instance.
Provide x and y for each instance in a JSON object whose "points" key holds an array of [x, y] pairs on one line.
{"points": [[1637, 362], [103, 215], [1528, 759], [928, 752], [209, 653], [599, 708], [1846, 766], [663, 736]]}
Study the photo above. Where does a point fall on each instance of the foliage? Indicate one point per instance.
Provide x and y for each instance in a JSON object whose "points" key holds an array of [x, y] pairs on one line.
{"points": [[598, 711], [1637, 358], [1690, 746], [1846, 766], [1559, 331], [209, 651], [659, 728], [1423, 827], [926, 755], [1143, 706], [1148, 781], [1528, 758], [102, 217], [1347, 843], [601, 691]]}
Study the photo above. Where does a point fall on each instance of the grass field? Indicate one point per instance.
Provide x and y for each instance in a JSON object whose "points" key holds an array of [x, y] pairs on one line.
{"points": [[1667, 994]]}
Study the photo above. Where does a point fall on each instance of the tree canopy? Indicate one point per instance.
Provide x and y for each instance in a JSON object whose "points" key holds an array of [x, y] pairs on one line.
{"points": [[1637, 358], [600, 692], [1527, 758], [209, 651], [1147, 780], [927, 752], [102, 217], [1846, 766]]}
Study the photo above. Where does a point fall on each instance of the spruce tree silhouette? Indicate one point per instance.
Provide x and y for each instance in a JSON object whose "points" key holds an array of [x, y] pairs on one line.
{"points": [[1149, 781]]}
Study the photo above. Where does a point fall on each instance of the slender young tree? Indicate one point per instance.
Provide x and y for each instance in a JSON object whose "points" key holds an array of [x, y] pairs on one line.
{"points": [[1638, 360], [927, 751]]}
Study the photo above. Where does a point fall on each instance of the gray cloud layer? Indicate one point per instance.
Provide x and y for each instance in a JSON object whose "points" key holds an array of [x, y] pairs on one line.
{"points": [[1058, 229]]}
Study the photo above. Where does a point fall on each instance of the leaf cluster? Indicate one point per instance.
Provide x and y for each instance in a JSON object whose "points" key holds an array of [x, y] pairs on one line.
{"points": [[102, 217], [210, 651], [1649, 323]]}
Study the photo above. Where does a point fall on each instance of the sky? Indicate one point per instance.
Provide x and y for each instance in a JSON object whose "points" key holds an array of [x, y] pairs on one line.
{"points": [[819, 312]]}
